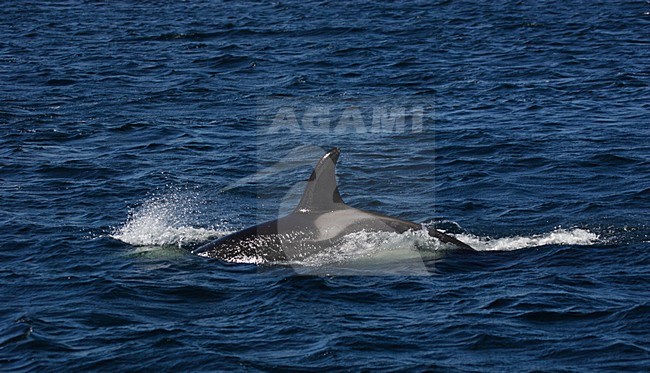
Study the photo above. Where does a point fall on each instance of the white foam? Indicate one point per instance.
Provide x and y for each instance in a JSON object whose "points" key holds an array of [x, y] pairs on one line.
{"points": [[384, 246], [560, 236], [164, 221]]}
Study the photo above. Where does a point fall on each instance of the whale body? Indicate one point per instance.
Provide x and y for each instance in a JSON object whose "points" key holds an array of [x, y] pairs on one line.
{"points": [[319, 221]]}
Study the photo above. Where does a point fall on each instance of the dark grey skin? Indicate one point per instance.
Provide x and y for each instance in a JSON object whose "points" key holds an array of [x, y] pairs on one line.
{"points": [[317, 223]]}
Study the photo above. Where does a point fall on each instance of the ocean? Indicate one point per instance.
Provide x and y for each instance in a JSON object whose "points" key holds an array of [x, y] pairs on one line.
{"points": [[132, 133]]}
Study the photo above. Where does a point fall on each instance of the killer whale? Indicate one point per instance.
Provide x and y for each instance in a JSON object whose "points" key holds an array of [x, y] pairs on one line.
{"points": [[319, 220]]}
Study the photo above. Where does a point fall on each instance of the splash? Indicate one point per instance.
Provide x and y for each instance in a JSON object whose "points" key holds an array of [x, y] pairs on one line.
{"points": [[362, 247], [560, 236], [165, 221]]}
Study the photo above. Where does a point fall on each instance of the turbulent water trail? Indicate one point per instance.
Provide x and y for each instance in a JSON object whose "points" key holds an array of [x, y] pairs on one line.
{"points": [[560, 236], [167, 221]]}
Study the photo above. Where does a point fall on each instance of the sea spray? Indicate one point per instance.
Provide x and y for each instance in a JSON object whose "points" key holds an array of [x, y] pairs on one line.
{"points": [[168, 219]]}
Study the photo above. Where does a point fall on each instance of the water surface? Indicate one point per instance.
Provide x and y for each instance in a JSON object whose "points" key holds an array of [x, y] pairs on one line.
{"points": [[132, 133]]}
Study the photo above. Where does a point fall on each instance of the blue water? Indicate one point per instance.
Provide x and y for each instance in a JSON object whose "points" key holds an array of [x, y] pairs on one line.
{"points": [[131, 133]]}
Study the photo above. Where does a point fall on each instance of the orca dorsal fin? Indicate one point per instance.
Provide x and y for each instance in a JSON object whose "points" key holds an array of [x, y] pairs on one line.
{"points": [[322, 193]]}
